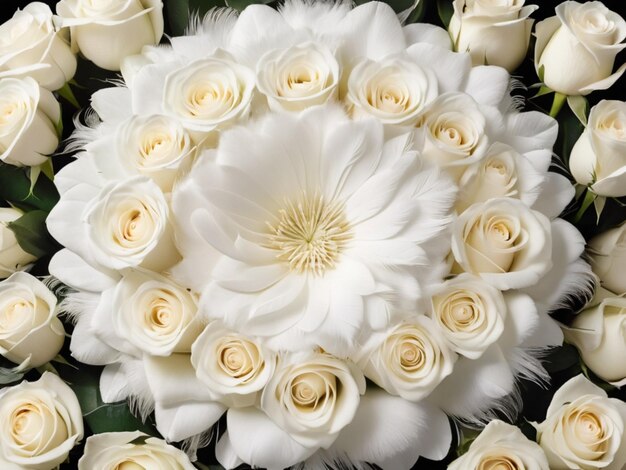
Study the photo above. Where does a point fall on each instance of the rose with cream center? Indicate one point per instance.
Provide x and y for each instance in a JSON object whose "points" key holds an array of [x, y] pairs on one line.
{"points": [[128, 226], [583, 428], [312, 396], [155, 146], [470, 314], [131, 451], [504, 242], [40, 422], [395, 90], [209, 94], [412, 359], [298, 77], [233, 366], [29, 327]]}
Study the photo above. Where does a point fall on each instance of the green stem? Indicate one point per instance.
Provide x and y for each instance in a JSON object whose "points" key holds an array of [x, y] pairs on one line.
{"points": [[557, 104], [589, 198]]}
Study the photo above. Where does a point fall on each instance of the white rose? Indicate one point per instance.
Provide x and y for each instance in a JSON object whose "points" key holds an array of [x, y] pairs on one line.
{"points": [[29, 327], [312, 396], [583, 428], [40, 422], [233, 366], [493, 32], [576, 49], [155, 146], [30, 46], [501, 173], [131, 451], [412, 359], [470, 314], [28, 118], [153, 314], [209, 94], [599, 333], [298, 77], [501, 446], [503, 241], [608, 258], [394, 90], [598, 158], [107, 31], [12, 257], [454, 132], [128, 226]]}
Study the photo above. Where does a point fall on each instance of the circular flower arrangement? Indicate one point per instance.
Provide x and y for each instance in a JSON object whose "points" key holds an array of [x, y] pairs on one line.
{"points": [[332, 229]]}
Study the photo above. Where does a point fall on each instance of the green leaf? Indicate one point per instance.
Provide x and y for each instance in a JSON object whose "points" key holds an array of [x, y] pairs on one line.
{"points": [[598, 204], [544, 90], [15, 188], [177, 15], [32, 234], [241, 4], [579, 106], [541, 72], [557, 104], [66, 92], [589, 198], [445, 10]]}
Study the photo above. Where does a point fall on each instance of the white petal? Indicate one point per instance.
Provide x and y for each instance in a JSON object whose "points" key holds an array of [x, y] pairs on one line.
{"points": [[183, 420], [112, 104], [225, 453], [427, 33], [556, 194], [74, 271], [496, 77], [113, 384]]}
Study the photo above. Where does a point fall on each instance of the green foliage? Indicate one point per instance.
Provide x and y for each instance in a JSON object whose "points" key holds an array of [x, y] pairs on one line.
{"points": [[31, 233], [15, 188], [445, 10]]}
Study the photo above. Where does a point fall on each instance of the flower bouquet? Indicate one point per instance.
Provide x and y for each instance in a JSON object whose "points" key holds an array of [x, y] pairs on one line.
{"points": [[312, 234]]}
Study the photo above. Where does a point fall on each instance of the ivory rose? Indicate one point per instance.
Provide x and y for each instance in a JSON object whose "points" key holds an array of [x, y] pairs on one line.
{"points": [[575, 50], [494, 33], [12, 257], [40, 422], [28, 118], [598, 157], [599, 333], [131, 451], [125, 26], [583, 428], [312, 396], [410, 360], [470, 314], [233, 366], [128, 226], [394, 90], [501, 446], [504, 242], [31, 46], [29, 328], [298, 77], [608, 258]]}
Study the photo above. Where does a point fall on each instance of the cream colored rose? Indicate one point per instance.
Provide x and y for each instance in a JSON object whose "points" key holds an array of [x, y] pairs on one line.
{"points": [[28, 118], [599, 333], [295, 78], [608, 258], [209, 94], [29, 328], [493, 32], [128, 226], [107, 31], [154, 314], [131, 451], [576, 49], [40, 422], [395, 90], [470, 314], [312, 396], [155, 146], [12, 257], [412, 359], [501, 446], [504, 242], [454, 132], [501, 173], [583, 428], [233, 366], [598, 158], [31, 46]]}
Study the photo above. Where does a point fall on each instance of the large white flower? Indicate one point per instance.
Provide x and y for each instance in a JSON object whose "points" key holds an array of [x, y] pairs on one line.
{"points": [[315, 227]]}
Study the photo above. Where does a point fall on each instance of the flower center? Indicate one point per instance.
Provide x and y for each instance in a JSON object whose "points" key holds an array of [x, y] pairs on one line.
{"points": [[310, 234]]}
